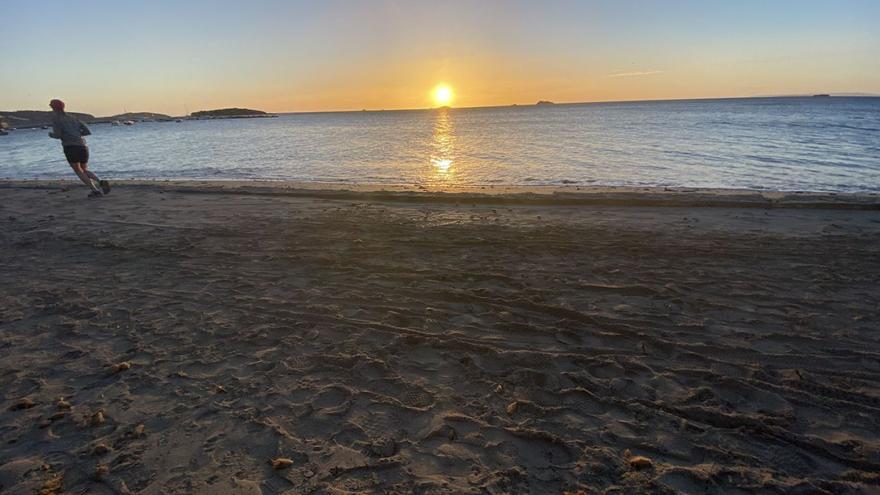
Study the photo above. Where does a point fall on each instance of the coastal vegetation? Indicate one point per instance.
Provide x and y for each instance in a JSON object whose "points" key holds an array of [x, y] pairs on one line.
{"points": [[138, 116], [229, 112]]}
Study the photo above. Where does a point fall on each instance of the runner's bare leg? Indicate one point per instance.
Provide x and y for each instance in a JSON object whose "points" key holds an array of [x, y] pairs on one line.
{"points": [[81, 173], [85, 167]]}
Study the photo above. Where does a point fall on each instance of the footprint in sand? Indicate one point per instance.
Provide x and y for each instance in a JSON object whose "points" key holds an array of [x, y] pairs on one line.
{"points": [[25, 403], [100, 449], [383, 447]]}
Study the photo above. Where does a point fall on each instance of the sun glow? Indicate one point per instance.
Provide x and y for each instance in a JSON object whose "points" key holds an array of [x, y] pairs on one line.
{"points": [[443, 95]]}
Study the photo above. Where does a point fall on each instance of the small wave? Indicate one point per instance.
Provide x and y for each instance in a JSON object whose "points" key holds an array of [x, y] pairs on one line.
{"points": [[855, 128], [833, 126], [764, 159]]}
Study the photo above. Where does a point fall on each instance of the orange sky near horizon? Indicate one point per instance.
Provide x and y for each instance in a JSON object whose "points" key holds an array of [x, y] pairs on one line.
{"points": [[294, 56]]}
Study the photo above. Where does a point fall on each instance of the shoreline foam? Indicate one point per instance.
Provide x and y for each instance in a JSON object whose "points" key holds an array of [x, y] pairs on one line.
{"points": [[534, 195]]}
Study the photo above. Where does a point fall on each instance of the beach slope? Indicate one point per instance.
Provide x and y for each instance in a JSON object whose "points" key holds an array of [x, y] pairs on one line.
{"points": [[164, 340]]}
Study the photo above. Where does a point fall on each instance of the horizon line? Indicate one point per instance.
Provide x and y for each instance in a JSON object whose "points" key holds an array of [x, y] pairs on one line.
{"points": [[588, 102], [853, 94]]}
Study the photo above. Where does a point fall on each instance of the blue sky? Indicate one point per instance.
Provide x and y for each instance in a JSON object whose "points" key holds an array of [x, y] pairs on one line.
{"points": [[103, 56]]}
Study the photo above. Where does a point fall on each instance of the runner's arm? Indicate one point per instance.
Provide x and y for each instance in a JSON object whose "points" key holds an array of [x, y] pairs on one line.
{"points": [[56, 131]]}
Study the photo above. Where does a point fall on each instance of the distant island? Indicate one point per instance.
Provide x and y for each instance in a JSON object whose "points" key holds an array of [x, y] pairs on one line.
{"points": [[26, 119], [817, 95], [228, 113], [545, 102], [23, 119]]}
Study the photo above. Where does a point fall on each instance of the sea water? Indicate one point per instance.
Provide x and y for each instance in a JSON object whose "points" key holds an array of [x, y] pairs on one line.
{"points": [[811, 144]]}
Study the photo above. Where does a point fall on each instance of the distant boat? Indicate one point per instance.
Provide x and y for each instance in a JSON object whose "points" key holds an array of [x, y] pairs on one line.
{"points": [[178, 120], [823, 95], [44, 127], [545, 102], [129, 122], [115, 122]]}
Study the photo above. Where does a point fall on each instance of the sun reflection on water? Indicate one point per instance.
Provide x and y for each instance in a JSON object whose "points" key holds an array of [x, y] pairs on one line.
{"points": [[443, 147]]}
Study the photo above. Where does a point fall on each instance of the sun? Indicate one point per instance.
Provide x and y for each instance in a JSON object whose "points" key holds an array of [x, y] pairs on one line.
{"points": [[443, 95]]}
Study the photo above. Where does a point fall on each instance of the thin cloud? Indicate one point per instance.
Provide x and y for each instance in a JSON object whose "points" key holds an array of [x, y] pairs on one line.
{"points": [[636, 74]]}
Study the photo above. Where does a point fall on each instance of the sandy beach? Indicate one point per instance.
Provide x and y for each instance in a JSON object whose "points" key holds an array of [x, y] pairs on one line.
{"points": [[177, 338]]}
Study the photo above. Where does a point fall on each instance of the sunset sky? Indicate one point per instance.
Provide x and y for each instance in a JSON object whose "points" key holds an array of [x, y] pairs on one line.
{"points": [[165, 56]]}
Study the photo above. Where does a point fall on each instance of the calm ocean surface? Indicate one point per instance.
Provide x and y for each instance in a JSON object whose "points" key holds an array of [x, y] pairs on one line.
{"points": [[815, 144]]}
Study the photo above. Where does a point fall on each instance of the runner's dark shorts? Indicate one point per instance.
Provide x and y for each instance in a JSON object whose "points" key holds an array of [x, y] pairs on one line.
{"points": [[77, 154]]}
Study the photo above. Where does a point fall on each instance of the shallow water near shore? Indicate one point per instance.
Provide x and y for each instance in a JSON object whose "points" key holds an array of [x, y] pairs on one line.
{"points": [[789, 144]]}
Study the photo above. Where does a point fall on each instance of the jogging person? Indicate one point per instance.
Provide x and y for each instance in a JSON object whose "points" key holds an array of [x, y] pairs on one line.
{"points": [[70, 131]]}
